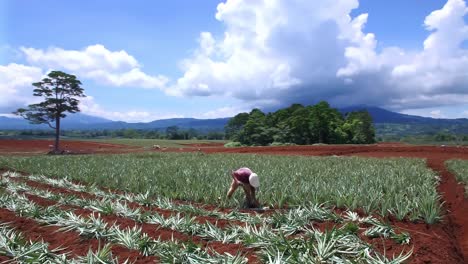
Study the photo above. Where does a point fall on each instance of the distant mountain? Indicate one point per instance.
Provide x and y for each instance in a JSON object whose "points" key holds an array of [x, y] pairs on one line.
{"points": [[394, 126], [86, 122], [386, 123], [84, 119], [190, 123], [380, 115], [73, 121], [216, 124]]}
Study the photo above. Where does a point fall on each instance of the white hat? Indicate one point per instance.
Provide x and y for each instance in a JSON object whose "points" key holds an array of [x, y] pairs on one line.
{"points": [[253, 180]]}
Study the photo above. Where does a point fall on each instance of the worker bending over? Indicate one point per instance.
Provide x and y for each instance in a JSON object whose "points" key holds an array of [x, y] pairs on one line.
{"points": [[250, 183]]}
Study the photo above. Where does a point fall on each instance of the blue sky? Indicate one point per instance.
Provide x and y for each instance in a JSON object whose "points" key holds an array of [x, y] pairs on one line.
{"points": [[170, 69]]}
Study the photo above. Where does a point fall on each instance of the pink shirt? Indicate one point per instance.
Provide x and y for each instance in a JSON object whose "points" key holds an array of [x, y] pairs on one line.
{"points": [[242, 175]]}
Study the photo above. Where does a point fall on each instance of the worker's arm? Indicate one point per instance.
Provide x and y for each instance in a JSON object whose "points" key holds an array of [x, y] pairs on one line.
{"points": [[233, 188]]}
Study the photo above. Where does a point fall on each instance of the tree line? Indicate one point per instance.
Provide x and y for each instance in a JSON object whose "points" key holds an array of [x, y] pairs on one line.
{"points": [[302, 125], [177, 133]]}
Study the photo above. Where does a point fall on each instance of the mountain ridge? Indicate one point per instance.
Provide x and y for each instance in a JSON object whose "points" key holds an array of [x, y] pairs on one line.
{"points": [[86, 122]]}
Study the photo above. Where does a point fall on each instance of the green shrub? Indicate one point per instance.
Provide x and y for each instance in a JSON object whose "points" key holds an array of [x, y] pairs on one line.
{"points": [[233, 145], [282, 144]]}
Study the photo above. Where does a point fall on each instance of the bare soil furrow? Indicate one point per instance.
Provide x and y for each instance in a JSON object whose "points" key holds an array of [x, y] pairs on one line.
{"points": [[221, 223], [153, 230], [69, 242], [456, 205]]}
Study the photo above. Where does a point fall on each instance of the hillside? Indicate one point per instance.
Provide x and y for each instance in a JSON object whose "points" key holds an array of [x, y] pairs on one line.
{"points": [[387, 123], [86, 122]]}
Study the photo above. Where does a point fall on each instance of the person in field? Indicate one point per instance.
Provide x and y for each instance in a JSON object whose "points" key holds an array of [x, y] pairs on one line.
{"points": [[249, 181]]}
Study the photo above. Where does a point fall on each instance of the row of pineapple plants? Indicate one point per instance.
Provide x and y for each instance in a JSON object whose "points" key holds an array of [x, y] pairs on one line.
{"points": [[404, 188], [270, 237], [18, 248]]}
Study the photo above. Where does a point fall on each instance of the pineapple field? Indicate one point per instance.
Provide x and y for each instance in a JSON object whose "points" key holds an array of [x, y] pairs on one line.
{"points": [[165, 207]]}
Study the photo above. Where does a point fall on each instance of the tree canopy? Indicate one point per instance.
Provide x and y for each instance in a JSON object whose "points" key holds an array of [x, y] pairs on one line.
{"points": [[300, 124], [59, 91]]}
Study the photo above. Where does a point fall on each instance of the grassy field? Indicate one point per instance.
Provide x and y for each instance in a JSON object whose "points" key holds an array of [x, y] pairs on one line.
{"points": [[151, 142], [460, 169], [402, 187]]}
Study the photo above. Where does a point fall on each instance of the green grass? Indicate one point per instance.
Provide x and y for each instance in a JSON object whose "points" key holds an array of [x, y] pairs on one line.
{"points": [[151, 142], [460, 169], [403, 187]]}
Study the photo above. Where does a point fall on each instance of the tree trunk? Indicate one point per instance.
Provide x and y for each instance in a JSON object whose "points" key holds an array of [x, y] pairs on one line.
{"points": [[57, 134]]}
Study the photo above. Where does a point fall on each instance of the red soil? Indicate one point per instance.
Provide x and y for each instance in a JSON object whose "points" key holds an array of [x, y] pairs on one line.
{"points": [[328, 150], [203, 145], [430, 243], [69, 242], [14, 146], [5, 259], [455, 203]]}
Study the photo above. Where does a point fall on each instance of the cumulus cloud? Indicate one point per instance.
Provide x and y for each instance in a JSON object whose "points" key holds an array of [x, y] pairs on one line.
{"points": [[16, 91], [114, 68], [89, 106], [15, 85], [273, 53]]}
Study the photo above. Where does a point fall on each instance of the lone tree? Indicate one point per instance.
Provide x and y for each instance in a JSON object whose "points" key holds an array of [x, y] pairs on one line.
{"points": [[59, 91]]}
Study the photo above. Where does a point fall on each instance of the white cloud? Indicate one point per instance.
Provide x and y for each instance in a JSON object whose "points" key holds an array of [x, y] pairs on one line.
{"points": [[114, 68], [228, 111], [90, 107], [11, 116], [282, 52], [437, 114], [15, 85], [17, 91]]}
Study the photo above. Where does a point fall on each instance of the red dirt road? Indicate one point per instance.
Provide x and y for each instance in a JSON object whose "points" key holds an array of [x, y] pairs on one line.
{"points": [[13, 146]]}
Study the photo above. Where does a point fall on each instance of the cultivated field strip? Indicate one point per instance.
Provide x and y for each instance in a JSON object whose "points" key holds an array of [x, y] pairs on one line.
{"points": [[404, 188], [270, 236], [163, 206], [155, 226], [152, 224], [185, 225], [131, 238], [67, 244], [206, 230], [460, 169], [17, 247]]}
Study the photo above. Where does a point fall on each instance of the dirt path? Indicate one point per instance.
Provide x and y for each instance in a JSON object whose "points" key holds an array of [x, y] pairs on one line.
{"points": [[455, 203], [34, 147]]}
